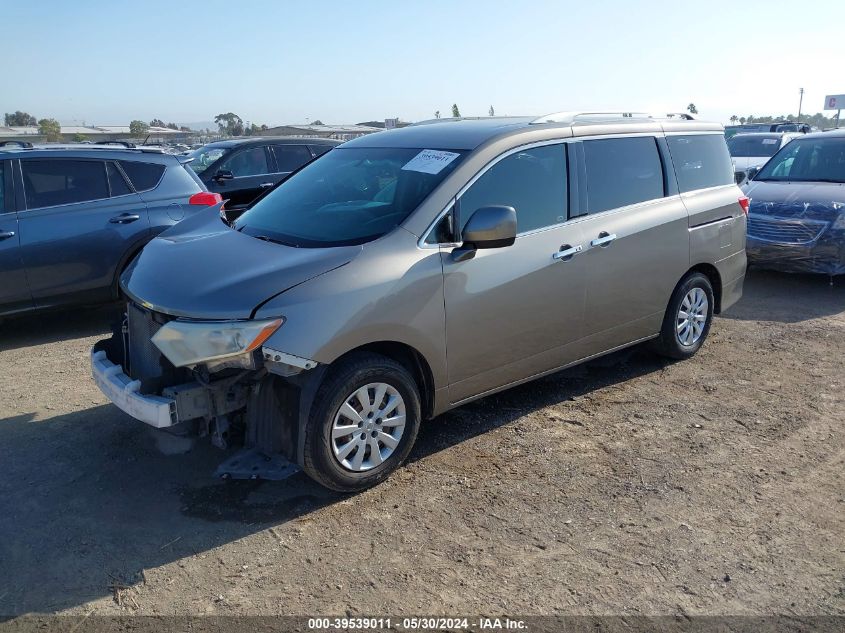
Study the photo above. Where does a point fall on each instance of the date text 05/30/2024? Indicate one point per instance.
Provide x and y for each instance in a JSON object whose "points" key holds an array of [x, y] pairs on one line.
{"points": [[416, 624]]}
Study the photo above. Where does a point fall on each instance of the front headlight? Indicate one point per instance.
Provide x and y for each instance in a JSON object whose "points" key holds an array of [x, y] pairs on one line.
{"points": [[191, 342]]}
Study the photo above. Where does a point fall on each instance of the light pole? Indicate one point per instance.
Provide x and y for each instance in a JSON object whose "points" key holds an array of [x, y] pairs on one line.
{"points": [[800, 102]]}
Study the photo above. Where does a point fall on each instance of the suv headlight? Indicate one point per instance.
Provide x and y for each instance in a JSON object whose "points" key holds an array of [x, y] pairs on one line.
{"points": [[191, 342]]}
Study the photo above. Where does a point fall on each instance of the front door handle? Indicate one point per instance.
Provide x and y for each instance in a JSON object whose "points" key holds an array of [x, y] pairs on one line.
{"points": [[6, 235], [566, 252], [603, 239], [125, 218], [265, 185]]}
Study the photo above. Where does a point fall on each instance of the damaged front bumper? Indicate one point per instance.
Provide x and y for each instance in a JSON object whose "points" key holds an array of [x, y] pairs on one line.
{"points": [[176, 404], [157, 411]]}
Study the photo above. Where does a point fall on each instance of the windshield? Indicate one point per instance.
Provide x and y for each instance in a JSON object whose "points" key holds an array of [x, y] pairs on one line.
{"points": [[204, 156], [348, 196], [745, 145], [808, 160]]}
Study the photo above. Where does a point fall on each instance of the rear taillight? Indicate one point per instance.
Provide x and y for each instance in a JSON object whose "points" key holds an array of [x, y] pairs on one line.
{"points": [[744, 202], [205, 198]]}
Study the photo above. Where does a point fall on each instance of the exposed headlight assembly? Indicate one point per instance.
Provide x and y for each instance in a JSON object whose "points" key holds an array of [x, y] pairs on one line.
{"points": [[187, 343]]}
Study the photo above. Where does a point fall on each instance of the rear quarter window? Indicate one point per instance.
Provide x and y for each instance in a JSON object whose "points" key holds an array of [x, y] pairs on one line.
{"points": [[144, 176], [701, 161]]}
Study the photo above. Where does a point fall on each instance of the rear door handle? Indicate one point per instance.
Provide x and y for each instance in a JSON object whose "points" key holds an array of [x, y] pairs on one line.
{"points": [[603, 239], [566, 252], [265, 185], [125, 218], [6, 235]]}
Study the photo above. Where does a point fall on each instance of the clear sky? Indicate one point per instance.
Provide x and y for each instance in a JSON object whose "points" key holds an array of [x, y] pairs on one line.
{"points": [[343, 62]]}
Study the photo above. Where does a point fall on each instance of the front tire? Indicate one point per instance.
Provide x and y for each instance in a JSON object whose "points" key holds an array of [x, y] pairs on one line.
{"points": [[363, 423], [688, 318]]}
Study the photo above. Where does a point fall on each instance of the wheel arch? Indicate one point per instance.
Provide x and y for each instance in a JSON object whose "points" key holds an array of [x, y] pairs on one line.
{"points": [[412, 360], [712, 273]]}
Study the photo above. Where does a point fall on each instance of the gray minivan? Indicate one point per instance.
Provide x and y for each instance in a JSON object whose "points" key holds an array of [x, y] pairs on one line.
{"points": [[411, 271]]}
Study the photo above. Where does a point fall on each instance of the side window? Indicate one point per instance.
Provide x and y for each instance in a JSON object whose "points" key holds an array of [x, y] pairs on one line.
{"points": [[117, 183], [247, 162], [532, 181], [51, 182], [622, 171], [701, 161], [291, 157], [144, 176]]}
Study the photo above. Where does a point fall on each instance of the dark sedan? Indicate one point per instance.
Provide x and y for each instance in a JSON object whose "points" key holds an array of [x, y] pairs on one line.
{"points": [[240, 170], [796, 220]]}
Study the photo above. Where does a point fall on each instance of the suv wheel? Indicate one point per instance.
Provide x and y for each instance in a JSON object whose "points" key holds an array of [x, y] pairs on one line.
{"points": [[363, 423], [688, 318]]}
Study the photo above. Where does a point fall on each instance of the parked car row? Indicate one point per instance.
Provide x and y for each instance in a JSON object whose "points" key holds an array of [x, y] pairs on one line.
{"points": [[72, 217], [796, 221], [749, 152], [242, 169], [407, 272]]}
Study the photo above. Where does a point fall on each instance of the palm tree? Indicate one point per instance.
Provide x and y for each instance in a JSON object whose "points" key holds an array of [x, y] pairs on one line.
{"points": [[734, 118], [692, 109]]}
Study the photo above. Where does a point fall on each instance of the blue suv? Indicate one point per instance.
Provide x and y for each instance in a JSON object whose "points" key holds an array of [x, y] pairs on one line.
{"points": [[73, 217]]}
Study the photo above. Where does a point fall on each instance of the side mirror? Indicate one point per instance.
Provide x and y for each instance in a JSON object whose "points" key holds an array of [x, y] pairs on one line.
{"points": [[488, 227], [223, 174]]}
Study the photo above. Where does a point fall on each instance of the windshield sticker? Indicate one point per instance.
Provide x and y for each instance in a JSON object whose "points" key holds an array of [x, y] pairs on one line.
{"points": [[430, 161], [769, 141]]}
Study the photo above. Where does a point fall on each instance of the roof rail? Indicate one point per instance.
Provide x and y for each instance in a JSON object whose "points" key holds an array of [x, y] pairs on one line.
{"points": [[24, 144], [149, 149], [126, 144], [681, 115], [571, 117]]}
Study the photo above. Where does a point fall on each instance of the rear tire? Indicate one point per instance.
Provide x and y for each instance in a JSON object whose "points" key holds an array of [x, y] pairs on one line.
{"points": [[363, 423], [688, 318]]}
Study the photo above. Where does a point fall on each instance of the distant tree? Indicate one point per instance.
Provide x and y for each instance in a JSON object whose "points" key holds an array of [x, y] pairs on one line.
{"points": [[264, 127], [172, 126], [491, 111], [749, 118], [455, 111], [138, 128], [742, 120], [78, 138], [437, 114], [692, 109], [51, 129], [19, 118], [184, 128], [229, 124], [317, 122], [734, 118], [157, 123]]}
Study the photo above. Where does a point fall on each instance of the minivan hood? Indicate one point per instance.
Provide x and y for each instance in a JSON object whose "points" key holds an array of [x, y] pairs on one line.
{"points": [[202, 269], [809, 200]]}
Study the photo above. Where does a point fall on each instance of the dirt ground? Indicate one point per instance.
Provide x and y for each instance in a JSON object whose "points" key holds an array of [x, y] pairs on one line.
{"points": [[627, 486]]}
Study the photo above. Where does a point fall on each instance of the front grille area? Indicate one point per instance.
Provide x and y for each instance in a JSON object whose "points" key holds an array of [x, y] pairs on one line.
{"points": [[784, 230], [144, 357]]}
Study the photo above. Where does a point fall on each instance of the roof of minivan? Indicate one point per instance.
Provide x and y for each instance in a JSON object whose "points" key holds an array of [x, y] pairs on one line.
{"points": [[467, 134]]}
